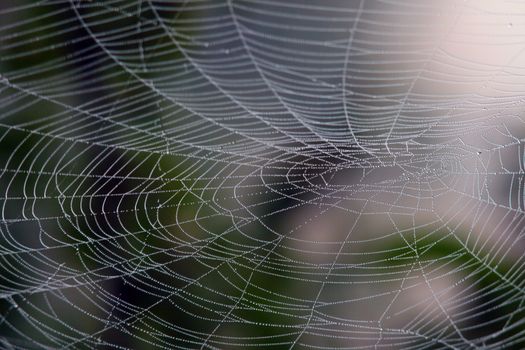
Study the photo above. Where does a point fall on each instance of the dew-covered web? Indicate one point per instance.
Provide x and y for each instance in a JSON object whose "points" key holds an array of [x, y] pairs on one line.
{"points": [[262, 174]]}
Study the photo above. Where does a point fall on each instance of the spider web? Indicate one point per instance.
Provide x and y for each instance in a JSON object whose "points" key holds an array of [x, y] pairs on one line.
{"points": [[262, 174]]}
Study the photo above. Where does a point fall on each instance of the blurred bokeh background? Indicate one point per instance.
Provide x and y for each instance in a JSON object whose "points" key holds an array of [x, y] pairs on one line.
{"points": [[262, 174]]}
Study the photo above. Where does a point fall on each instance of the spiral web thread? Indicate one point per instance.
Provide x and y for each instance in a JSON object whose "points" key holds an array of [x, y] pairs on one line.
{"points": [[261, 174]]}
